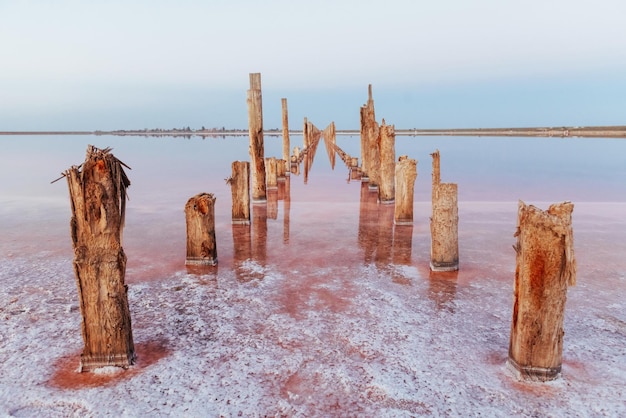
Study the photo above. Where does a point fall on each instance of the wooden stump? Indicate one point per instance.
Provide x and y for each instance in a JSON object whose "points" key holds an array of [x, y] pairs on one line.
{"points": [[271, 173], [286, 146], [545, 266], [369, 133], [386, 188], [406, 173], [444, 223], [200, 217], [257, 151], [98, 201], [240, 188]]}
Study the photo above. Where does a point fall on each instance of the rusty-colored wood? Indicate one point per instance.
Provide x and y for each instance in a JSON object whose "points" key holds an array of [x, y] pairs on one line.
{"points": [[200, 217], [98, 199], [240, 189], [255, 127], [545, 266], [271, 173], [406, 173], [387, 146]]}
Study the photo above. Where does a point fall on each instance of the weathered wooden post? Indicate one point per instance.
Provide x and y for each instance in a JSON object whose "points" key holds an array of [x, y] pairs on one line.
{"points": [[406, 173], [386, 188], [444, 223], [545, 266], [330, 142], [271, 173], [200, 217], [282, 169], [286, 146], [255, 126], [98, 202], [369, 133], [306, 134], [240, 188]]}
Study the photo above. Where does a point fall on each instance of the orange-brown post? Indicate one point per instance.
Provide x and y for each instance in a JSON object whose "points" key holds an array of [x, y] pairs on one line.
{"points": [[386, 188], [240, 188], [286, 146], [545, 266], [257, 151], [98, 200], [406, 173], [200, 216], [271, 173], [444, 223]]}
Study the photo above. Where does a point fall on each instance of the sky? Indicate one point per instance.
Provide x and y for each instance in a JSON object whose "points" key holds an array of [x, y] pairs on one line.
{"points": [[104, 65]]}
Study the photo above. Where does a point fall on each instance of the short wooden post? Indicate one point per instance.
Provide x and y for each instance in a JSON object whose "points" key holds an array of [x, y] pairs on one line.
{"points": [[98, 201], [271, 172], [286, 146], [386, 188], [545, 266], [406, 173], [282, 169], [200, 217], [240, 188], [255, 126], [444, 223]]}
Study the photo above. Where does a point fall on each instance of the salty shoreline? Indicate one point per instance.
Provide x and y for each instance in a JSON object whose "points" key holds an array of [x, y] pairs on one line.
{"points": [[564, 132]]}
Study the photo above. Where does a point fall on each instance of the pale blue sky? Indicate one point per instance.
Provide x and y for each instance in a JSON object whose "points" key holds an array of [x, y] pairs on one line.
{"points": [[450, 63]]}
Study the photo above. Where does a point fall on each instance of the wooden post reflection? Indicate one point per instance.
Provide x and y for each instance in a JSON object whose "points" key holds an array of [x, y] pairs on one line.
{"points": [[286, 209], [242, 250], [384, 240], [259, 233], [272, 203], [442, 289], [402, 249], [368, 218]]}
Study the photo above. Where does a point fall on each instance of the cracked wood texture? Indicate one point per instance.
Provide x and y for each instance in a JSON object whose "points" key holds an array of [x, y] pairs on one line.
{"points": [[200, 217], [387, 145], [369, 139], [240, 189], [286, 141], [444, 223], [98, 199], [406, 173], [545, 266], [257, 150]]}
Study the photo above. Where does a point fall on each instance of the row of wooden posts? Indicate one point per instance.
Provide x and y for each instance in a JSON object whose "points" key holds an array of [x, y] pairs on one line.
{"points": [[545, 263]]}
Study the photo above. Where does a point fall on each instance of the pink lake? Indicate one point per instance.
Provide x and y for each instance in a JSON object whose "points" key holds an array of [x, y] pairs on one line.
{"points": [[322, 307]]}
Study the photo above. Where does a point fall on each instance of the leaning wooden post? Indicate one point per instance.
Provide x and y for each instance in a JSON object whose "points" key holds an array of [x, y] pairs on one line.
{"points": [[240, 188], [406, 173], [271, 175], [444, 223], [255, 126], [98, 201], [545, 266], [386, 189], [286, 146], [200, 216]]}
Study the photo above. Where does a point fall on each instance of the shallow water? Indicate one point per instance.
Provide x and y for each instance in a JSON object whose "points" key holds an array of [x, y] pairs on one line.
{"points": [[322, 306]]}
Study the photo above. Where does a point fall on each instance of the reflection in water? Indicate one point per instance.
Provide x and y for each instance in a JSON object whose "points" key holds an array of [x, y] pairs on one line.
{"points": [[402, 248], [442, 289], [384, 240], [272, 203], [368, 217], [259, 233], [286, 208]]}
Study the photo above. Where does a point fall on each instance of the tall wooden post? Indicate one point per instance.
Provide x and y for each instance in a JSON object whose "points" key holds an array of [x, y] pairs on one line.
{"points": [[545, 266], [369, 134], [406, 173], [444, 223], [255, 126], [306, 134], [98, 202], [271, 172], [386, 188], [286, 146], [200, 217], [330, 143], [240, 188]]}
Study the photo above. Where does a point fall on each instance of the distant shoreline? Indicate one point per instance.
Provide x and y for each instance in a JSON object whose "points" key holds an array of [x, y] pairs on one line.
{"points": [[564, 132]]}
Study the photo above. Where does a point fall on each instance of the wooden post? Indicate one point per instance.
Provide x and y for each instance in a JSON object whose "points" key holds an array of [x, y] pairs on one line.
{"points": [[369, 133], [255, 126], [286, 146], [271, 173], [98, 202], [305, 133], [406, 173], [200, 217], [386, 189], [545, 266], [444, 223], [330, 140], [240, 188], [282, 169]]}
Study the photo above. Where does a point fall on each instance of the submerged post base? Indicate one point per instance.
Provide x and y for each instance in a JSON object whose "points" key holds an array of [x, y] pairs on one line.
{"points": [[444, 266], [532, 373], [91, 362], [200, 261]]}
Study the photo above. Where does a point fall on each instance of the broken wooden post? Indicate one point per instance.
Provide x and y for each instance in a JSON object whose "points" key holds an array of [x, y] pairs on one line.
{"points": [[240, 188], [200, 217], [282, 169], [286, 146], [369, 133], [545, 266], [255, 126], [98, 202], [406, 173], [386, 188], [271, 174], [444, 223]]}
